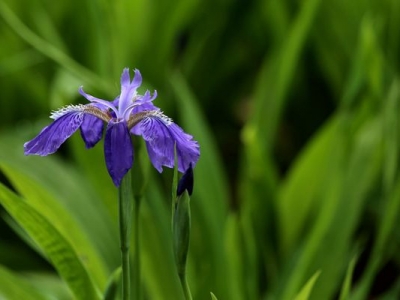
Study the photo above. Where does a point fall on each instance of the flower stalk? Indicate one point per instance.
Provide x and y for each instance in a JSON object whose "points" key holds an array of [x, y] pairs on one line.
{"points": [[125, 222]]}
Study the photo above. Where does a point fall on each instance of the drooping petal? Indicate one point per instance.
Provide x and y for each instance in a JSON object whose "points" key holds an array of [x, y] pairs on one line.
{"points": [[128, 89], [91, 130], [52, 136], [161, 137], [118, 150]]}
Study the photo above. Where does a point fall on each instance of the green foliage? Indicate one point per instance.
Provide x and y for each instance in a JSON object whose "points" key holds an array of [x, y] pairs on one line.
{"points": [[295, 105], [55, 246], [304, 294]]}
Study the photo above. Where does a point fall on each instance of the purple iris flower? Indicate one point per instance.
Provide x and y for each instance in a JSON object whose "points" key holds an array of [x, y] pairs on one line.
{"points": [[129, 113]]}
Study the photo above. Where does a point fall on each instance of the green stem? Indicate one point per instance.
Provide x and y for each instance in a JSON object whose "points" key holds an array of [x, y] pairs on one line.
{"points": [[125, 221], [136, 270]]}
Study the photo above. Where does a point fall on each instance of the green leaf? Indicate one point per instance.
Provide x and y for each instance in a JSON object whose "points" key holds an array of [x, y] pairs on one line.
{"points": [[210, 197], [305, 292], [193, 121], [346, 287], [61, 219], [276, 77], [308, 173], [63, 194], [236, 267], [62, 255], [51, 51], [49, 284], [13, 286], [337, 219], [213, 296], [158, 265], [113, 284]]}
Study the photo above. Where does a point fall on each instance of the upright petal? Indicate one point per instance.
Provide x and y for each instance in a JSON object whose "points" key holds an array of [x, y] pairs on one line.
{"points": [[146, 97], [118, 150], [52, 136], [128, 89], [125, 80], [91, 130], [161, 136]]}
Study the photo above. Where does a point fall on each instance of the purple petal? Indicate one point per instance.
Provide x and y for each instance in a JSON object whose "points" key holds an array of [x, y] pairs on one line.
{"points": [[115, 102], [137, 79], [91, 130], [160, 139], [52, 136], [186, 182], [103, 104], [118, 150], [128, 89], [147, 97], [143, 107], [137, 130], [125, 80]]}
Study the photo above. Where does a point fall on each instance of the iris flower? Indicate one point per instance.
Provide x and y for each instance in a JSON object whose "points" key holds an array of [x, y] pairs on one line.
{"points": [[129, 113]]}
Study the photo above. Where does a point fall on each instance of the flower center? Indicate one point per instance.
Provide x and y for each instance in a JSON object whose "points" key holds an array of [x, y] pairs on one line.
{"points": [[98, 113], [136, 118]]}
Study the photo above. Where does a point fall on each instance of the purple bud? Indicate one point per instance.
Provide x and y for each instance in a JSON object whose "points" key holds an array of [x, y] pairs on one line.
{"points": [[186, 182]]}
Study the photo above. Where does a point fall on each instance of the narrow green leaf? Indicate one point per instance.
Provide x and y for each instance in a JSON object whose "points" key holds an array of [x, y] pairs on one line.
{"points": [[63, 194], [276, 77], [338, 217], [236, 266], [51, 51], [305, 292], [308, 173], [175, 17], [391, 193], [211, 196], [158, 266], [61, 219], [213, 296], [346, 287], [214, 182], [13, 286], [64, 258], [49, 284]]}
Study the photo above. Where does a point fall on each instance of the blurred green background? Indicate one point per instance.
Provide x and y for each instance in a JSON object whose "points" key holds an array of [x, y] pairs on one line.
{"points": [[296, 108]]}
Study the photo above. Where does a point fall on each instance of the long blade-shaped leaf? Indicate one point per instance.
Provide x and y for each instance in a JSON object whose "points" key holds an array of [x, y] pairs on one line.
{"points": [[14, 287], [55, 246]]}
